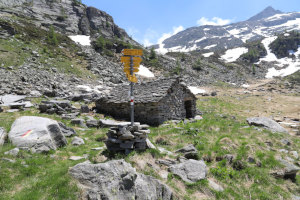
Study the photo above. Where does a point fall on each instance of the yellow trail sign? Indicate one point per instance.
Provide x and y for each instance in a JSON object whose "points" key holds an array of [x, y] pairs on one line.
{"points": [[125, 59], [135, 64], [126, 69], [131, 78], [132, 52]]}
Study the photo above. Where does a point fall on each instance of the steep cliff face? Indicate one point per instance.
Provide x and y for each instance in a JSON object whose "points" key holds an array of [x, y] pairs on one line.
{"points": [[67, 16]]}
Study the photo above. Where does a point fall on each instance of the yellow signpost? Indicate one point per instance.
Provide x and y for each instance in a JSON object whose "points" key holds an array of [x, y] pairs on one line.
{"points": [[131, 61], [132, 52]]}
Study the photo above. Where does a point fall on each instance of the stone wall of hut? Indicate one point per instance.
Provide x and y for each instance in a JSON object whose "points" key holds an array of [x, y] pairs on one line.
{"points": [[147, 113], [172, 106]]}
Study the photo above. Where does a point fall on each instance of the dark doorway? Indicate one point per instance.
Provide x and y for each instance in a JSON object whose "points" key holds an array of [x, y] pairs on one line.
{"points": [[188, 109]]}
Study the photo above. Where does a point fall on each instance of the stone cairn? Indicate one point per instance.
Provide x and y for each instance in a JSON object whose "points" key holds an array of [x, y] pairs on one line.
{"points": [[127, 138]]}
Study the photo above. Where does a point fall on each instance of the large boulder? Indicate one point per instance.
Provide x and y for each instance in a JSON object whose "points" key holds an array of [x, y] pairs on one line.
{"points": [[190, 171], [3, 135], [40, 134], [117, 179], [266, 123]]}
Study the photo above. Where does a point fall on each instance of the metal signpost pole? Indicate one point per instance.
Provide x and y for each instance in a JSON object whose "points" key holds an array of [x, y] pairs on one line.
{"points": [[131, 92]]}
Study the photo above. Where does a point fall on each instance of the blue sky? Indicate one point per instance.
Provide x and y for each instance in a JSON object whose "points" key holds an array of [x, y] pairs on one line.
{"points": [[149, 21]]}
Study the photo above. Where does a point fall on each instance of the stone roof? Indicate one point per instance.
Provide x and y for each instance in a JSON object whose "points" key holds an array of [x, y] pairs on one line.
{"points": [[143, 93]]}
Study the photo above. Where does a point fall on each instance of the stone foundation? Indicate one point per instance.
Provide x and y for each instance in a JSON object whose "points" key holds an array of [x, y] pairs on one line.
{"points": [[127, 138]]}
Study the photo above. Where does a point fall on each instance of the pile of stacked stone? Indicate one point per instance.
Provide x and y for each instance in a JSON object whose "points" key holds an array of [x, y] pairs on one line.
{"points": [[127, 138], [58, 107]]}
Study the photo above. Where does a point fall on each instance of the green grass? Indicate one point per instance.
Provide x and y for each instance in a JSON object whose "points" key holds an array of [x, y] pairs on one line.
{"points": [[217, 134], [43, 176], [220, 133]]}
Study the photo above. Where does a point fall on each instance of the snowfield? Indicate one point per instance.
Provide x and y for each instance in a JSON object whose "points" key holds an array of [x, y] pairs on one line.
{"points": [[145, 72], [211, 46], [232, 55], [83, 40], [206, 55], [196, 90], [288, 65]]}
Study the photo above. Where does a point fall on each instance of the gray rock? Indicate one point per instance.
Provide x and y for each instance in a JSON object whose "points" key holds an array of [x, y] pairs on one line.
{"points": [[17, 105], [163, 150], [75, 158], [294, 154], [189, 152], [10, 99], [97, 148], [215, 186], [84, 109], [190, 171], [112, 123], [77, 141], [92, 123], [283, 151], [117, 179], [251, 160], [166, 162], [289, 171], [266, 123], [149, 144], [78, 121], [40, 149], [126, 136], [13, 152], [285, 142], [67, 131], [3, 135], [36, 132], [186, 149]]}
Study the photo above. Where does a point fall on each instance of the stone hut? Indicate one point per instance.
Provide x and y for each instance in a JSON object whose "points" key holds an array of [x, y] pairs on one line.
{"points": [[155, 102]]}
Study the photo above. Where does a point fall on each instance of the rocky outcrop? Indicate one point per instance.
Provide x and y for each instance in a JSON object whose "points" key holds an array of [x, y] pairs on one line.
{"points": [[117, 179], [266, 123], [67, 16], [39, 134]]}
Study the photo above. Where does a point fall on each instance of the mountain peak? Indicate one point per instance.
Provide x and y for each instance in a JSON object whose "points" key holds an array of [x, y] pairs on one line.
{"points": [[267, 12]]}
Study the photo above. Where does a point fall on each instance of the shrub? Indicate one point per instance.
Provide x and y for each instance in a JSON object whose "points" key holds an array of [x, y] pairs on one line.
{"points": [[52, 39], [198, 65], [283, 44]]}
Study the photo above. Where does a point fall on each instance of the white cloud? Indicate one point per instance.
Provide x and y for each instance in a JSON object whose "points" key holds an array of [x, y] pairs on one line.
{"points": [[132, 31], [167, 35], [147, 43], [150, 37], [214, 21], [164, 36]]}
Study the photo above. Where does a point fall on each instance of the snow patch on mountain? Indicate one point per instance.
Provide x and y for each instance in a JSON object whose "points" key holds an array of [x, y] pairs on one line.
{"points": [[278, 16], [145, 72], [232, 55], [208, 54], [210, 46], [285, 66], [83, 40]]}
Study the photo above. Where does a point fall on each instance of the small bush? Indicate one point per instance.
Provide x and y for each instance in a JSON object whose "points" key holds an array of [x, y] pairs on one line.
{"points": [[52, 39]]}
